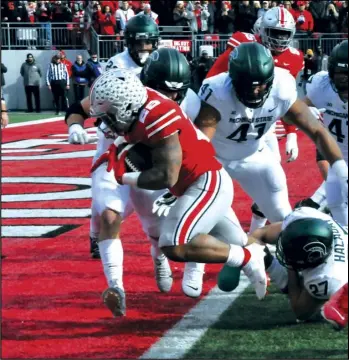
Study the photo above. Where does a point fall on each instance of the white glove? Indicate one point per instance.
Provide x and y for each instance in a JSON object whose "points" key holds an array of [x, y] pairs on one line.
{"points": [[78, 135], [163, 204], [318, 113], [292, 147]]}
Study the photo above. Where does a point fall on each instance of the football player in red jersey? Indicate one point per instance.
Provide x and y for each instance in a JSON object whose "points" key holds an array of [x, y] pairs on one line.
{"points": [[184, 162], [276, 31]]}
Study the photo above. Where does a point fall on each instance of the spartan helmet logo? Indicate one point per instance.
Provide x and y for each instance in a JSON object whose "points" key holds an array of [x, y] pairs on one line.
{"points": [[235, 54], [316, 251], [154, 56]]}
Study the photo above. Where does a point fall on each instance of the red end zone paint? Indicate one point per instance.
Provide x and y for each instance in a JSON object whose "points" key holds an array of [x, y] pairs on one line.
{"points": [[51, 289]]}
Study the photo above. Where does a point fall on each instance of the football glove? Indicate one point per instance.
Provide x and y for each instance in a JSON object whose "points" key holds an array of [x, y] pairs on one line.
{"points": [[78, 135], [292, 147], [163, 204]]}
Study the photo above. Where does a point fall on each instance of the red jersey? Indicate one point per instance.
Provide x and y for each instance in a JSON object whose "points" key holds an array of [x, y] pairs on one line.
{"points": [[161, 118], [291, 59]]}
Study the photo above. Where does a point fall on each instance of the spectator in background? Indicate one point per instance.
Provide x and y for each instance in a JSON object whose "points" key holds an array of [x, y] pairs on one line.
{"points": [[288, 6], [246, 17], [162, 8], [181, 16], [61, 13], [80, 78], [145, 9], [14, 11], [264, 9], [66, 62], [318, 10], [303, 18], [343, 16], [226, 19], [57, 80], [124, 14], [3, 71], [31, 73], [211, 8], [310, 66], [96, 14], [31, 8], [94, 68], [114, 5], [200, 68], [107, 21], [43, 11], [332, 19], [200, 21]]}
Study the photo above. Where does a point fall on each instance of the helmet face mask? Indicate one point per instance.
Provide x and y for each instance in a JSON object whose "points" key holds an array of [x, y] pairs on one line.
{"points": [[253, 95], [277, 29], [278, 40], [141, 38]]}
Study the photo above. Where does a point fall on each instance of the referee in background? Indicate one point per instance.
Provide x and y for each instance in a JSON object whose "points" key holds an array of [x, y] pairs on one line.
{"points": [[57, 80]]}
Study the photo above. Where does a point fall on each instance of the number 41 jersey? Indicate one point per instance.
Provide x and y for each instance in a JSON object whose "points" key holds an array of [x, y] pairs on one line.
{"points": [[321, 93], [241, 129]]}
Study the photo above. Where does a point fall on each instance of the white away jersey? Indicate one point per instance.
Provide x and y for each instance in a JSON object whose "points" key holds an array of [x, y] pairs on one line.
{"points": [[324, 280], [123, 61], [323, 96], [191, 104], [239, 133]]}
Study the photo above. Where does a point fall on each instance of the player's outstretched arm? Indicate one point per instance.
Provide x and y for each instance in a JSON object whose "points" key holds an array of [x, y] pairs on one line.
{"points": [[167, 162], [75, 118], [302, 303], [267, 235], [300, 115], [208, 119]]}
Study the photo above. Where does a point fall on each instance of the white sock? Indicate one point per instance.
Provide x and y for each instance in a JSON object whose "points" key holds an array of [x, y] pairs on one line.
{"points": [[257, 222], [278, 274], [95, 223], [236, 256], [112, 255], [320, 194], [194, 266], [155, 251]]}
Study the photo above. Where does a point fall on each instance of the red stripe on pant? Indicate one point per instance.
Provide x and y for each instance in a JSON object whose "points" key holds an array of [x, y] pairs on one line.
{"points": [[210, 193]]}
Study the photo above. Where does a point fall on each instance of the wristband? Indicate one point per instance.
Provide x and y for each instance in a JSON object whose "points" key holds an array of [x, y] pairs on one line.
{"points": [[340, 167], [131, 178]]}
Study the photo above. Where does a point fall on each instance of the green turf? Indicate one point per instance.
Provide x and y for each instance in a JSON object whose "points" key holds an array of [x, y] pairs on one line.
{"points": [[267, 329], [17, 117]]}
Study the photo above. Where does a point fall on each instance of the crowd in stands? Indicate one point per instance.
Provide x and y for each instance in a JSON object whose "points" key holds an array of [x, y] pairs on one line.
{"points": [[204, 17]]}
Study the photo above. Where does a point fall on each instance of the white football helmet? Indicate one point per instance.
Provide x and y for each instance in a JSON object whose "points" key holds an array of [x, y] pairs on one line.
{"points": [[257, 26], [116, 98], [277, 29]]}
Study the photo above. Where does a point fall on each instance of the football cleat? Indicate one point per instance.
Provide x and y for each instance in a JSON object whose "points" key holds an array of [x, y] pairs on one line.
{"points": [[335, 311], [94, 248], [115, 300], [193, 279], [163, 274], [255, 270]]}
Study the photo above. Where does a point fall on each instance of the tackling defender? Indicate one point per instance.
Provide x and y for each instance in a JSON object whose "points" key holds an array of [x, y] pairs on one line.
{"points": [[250, 99], [275, 30], [311, 262]]}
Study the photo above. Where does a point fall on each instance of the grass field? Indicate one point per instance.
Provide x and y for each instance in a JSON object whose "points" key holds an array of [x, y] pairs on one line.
{"points": [[18, 117], [268, 330]]}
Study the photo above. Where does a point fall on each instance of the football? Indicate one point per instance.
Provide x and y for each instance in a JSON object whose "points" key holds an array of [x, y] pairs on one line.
{"points": [[139, 158]]}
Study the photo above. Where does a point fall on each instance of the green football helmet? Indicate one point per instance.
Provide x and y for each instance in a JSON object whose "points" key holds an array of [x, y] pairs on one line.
{"points": [[338, 69], [167, 69], [251, 65], [141, 38], [304, 244]]}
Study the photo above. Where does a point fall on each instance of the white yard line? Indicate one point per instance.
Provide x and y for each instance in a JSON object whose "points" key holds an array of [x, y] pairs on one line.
{"points": [[177, 341], [34, 122]]}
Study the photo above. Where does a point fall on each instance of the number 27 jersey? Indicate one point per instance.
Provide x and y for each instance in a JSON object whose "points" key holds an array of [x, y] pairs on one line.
{"points": [[240, 131]]}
